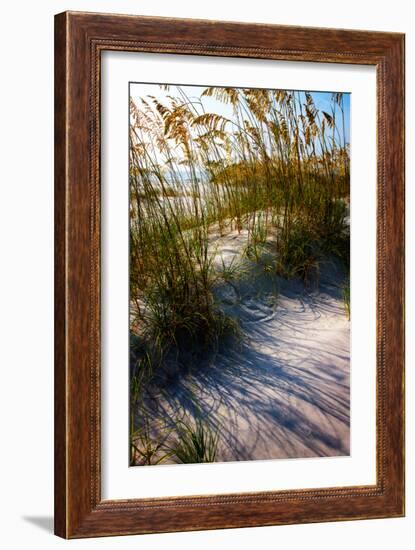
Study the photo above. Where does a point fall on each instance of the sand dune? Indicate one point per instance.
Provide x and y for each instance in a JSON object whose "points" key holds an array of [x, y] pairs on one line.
{"points": [[282, 391]]}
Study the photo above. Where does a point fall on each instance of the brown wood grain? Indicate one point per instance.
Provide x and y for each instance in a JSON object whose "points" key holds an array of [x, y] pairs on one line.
{"points": [[60, 276], [79, 39]]}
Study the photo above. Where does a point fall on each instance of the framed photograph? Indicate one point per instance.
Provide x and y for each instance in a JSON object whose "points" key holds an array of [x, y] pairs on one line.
{"points": [[229, 275]]}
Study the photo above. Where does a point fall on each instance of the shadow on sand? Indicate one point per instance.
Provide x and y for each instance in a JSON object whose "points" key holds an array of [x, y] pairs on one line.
{"points": [[283, 391]]}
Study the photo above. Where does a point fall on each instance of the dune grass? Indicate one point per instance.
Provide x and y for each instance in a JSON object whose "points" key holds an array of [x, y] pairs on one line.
{"points": [[346, 297], [277, 169], [195, 442]]}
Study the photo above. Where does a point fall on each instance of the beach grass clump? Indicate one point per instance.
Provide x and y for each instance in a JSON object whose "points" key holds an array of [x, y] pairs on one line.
{"points": [[346, 297], [196, 323], [298, 252], [172, 301], [196, 442], [181, 441], [257, 237]]}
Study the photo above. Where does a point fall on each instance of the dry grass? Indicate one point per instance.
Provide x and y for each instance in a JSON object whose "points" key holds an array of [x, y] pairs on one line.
{"points": [[278, 166]]}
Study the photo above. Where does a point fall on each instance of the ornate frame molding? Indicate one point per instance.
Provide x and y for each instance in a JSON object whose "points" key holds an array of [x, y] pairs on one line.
{"points": [[79, 40]]}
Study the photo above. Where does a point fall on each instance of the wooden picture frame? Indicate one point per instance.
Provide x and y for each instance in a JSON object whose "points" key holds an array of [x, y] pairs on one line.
{"points": [[79, 40]]}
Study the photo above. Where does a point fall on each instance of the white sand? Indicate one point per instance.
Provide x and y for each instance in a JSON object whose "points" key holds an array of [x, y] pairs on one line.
{"points": [[283, 391]]}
